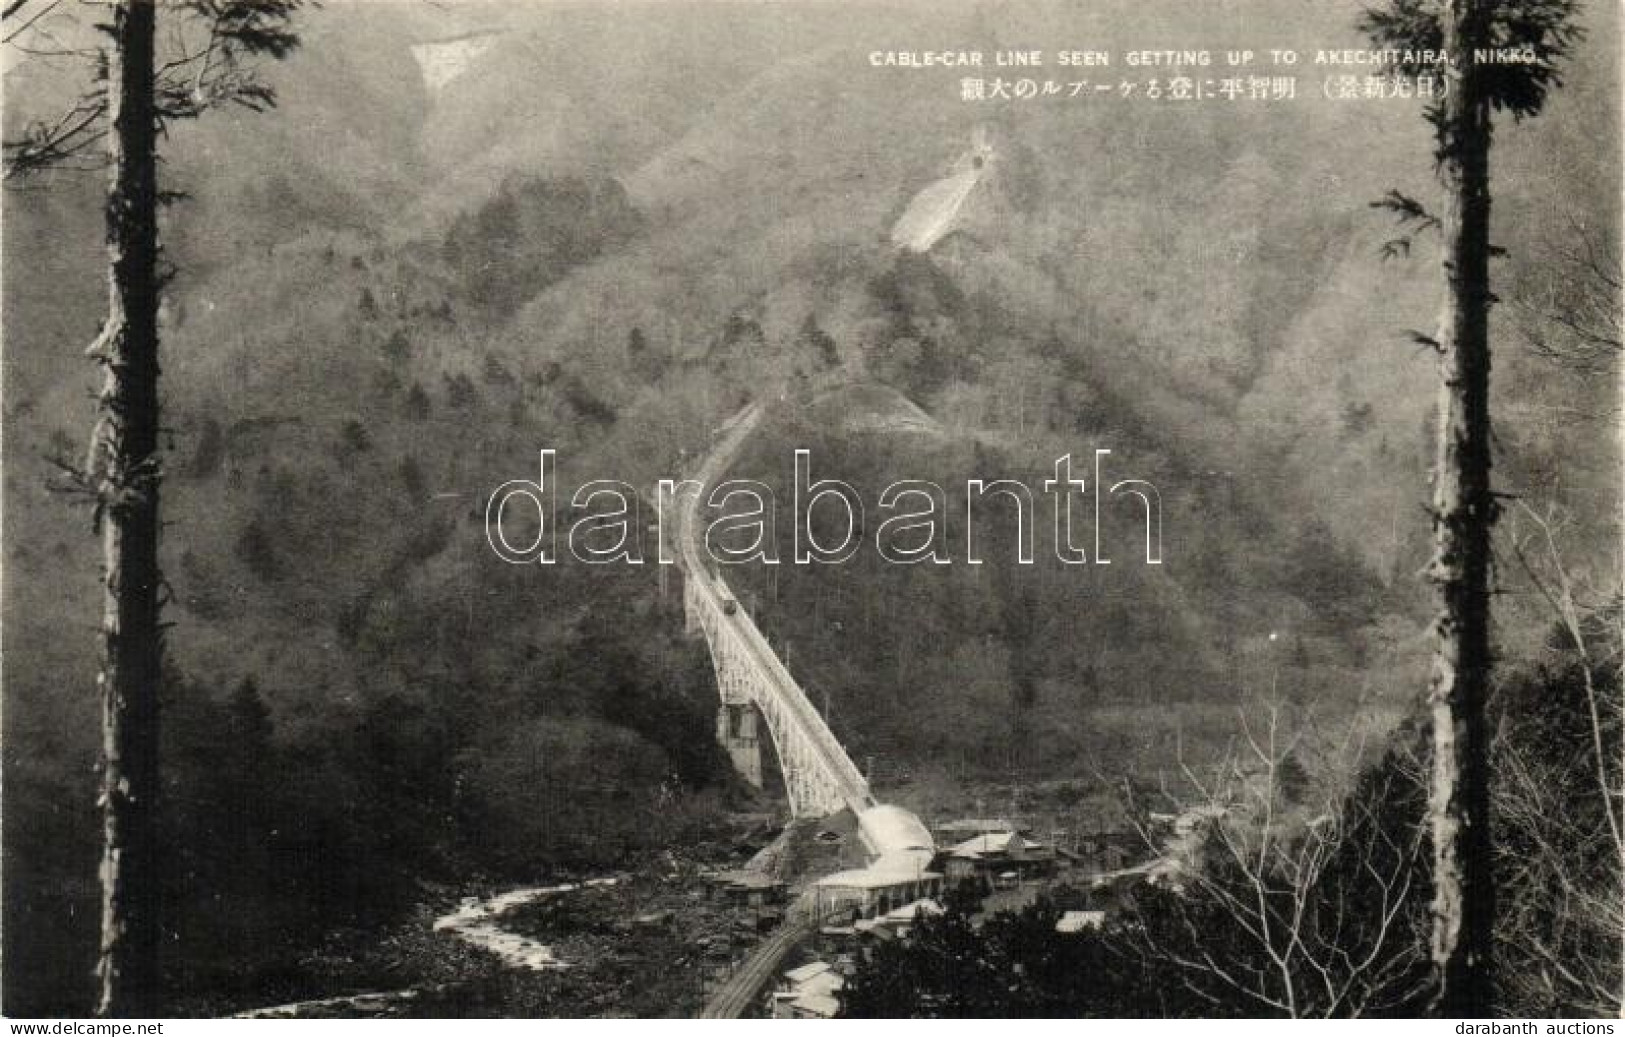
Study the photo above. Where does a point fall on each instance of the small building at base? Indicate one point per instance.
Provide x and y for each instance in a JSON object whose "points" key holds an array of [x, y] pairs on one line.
{"points": [[996, 858], [807, 992], [1080, 921], [846, 896], [747, 888]]}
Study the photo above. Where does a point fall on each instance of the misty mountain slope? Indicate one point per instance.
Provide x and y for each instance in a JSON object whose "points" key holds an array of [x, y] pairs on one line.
{"points": [[1104, 284], [602, 238], [584, 322], [53, 298], [340, 152], [1049, 655]]}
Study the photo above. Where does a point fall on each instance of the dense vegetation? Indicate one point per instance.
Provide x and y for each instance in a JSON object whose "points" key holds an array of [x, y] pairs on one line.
{"points": [[1330, 919], [389, 299]]}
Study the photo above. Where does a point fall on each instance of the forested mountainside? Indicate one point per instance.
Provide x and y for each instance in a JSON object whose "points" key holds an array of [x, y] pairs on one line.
{"points": [[602, 237]]}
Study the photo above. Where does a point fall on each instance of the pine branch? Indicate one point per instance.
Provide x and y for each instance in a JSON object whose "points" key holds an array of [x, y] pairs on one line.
{"points": [[203, 73]]}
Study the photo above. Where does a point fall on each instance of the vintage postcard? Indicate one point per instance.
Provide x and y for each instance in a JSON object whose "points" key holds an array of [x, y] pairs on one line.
{"points": [[812, 509]]}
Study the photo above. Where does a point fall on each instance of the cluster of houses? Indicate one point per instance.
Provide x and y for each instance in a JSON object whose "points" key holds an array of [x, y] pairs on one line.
{"points": [[863, 905], [989, 854], [807, 992], [859, 908]]}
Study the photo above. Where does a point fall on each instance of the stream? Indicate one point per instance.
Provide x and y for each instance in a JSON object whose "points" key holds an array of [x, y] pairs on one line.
{"points": [[478, 922]]}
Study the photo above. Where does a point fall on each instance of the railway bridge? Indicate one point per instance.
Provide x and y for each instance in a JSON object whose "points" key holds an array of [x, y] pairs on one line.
{"points": [[819, 777]]}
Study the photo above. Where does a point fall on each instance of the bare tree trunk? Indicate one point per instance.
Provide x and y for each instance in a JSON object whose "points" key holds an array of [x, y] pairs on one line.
{"points": [[1463, 512], [125, 467]]}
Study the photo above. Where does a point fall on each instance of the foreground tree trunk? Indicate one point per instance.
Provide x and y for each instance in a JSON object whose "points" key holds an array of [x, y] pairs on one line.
{"points": [[124, 465], [1463, 512]]}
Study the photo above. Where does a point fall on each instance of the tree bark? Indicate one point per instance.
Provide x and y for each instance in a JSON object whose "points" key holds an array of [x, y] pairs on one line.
{"points": [[125, 467], [1463, 513]]}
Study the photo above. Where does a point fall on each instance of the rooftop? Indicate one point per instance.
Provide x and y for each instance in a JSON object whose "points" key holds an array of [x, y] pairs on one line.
{"points": [[818, 1004], [1078, 921], [909, 912], [887, 829], [997, 843], [977, 825], [746, 879], [874, 878], [805, 972]]}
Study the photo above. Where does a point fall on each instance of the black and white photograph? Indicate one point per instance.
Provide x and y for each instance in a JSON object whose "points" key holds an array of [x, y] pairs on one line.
{"points": [[811, 509]]}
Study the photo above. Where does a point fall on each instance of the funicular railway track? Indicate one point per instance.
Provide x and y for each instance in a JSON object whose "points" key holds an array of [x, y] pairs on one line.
{"points": [[819, 777]]}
